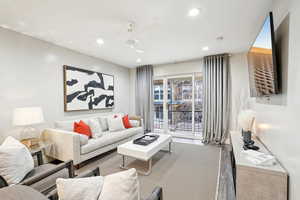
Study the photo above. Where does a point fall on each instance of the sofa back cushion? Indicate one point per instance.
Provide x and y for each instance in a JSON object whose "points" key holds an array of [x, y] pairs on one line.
{"points": [[121, 186], [64, 125], [67, 125]]}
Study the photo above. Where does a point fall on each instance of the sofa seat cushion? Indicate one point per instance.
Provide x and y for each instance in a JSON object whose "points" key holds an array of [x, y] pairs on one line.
{"points": [[109, 138], [136, 130]]}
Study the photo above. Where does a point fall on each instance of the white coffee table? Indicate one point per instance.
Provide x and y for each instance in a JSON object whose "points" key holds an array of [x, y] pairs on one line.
{"points": [[144, 153]]}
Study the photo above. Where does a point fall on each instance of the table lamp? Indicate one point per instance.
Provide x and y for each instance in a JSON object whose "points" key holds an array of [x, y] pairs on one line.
{"points": [[27, 117]]}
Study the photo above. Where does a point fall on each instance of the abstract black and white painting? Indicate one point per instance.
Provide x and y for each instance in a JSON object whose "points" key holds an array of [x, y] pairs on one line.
{"points": [[87, 90]]}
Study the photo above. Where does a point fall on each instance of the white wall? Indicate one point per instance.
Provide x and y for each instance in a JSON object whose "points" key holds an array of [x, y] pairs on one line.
{"points": [[278, 123], [240, 86], [178, 68], [280, 128], [31, 74]]}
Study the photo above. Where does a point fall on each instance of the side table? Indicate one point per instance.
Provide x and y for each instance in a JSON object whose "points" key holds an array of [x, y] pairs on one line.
{"points": [[41, 147]]}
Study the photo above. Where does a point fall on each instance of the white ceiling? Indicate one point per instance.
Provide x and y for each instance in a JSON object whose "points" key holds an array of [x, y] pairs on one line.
{"points": [[163, 29]]}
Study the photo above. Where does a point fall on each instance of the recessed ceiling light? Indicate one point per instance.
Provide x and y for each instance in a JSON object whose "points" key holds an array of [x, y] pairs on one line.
{"points": [[138, 60], [100, 41], [132, 43], [194, 12], [140, 51], [205, 48]]}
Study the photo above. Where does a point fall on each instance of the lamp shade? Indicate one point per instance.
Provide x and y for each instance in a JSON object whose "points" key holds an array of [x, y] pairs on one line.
{"points": [[28, 116], [246, 119]]}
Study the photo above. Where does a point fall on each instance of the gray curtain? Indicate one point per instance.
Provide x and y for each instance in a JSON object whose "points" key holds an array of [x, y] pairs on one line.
{"points": [[144, 95], [217, 98]]}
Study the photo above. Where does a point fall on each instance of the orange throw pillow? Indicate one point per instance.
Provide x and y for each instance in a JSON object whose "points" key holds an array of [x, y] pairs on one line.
{"points": [[126, 122], [82, 128]]}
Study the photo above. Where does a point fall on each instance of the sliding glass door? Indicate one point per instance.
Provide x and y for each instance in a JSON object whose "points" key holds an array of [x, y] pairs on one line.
{"points": [[158, 120], [198, 103], [178, 105]]}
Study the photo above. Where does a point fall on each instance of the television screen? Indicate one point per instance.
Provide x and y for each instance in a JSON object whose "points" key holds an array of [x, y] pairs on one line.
{"points": [[262, 62]]}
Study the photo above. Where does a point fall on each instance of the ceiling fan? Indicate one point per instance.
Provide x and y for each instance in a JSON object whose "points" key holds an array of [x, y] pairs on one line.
{"points": [[133, 42]]}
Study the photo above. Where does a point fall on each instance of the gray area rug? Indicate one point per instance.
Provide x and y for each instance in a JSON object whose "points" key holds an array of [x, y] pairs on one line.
{"points": [[190, 172]]}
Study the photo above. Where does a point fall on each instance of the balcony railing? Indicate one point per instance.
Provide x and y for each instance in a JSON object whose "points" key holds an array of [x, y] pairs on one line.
{"points": [[179, 121]]}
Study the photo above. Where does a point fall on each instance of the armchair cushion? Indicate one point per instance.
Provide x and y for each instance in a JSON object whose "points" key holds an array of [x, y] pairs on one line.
{"points": [[85, 188], [121, 186], [15, 161], [19, 192]]}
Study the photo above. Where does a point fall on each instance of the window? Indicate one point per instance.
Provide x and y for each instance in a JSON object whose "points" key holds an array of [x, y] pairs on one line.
{"points": [[183, 111]]}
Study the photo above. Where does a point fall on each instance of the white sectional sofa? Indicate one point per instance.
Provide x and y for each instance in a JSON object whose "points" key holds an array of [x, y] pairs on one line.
{"points": [[70, 145]]}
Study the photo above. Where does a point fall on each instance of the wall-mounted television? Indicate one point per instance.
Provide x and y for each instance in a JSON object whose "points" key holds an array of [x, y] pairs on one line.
{"points": [[262, 65]]}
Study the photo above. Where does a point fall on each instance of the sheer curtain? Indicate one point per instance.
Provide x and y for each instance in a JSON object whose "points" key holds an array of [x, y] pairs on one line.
{"points": [[217, 98], [144, 95]]}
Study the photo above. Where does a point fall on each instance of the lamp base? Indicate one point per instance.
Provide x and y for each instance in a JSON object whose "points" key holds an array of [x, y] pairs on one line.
{"points": [[31, 142], [250, 146]]}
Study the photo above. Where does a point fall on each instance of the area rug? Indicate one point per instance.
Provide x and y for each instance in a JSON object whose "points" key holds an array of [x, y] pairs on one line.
{"points": [[190, 172]]}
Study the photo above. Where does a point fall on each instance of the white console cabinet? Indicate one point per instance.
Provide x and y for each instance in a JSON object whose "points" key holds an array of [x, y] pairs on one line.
{"points": [[255, 182]]}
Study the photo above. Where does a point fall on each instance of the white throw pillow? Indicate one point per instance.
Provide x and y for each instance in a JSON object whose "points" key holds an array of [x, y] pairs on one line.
{"points": [[103, 123], [134, 123], [115, 124], [79, 188], [15, 161], [95, 127], [121, 186]]}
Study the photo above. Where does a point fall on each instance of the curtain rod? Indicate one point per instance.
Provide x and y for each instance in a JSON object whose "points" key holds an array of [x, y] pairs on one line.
{"points": [[223, 54], [191, 60]]}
